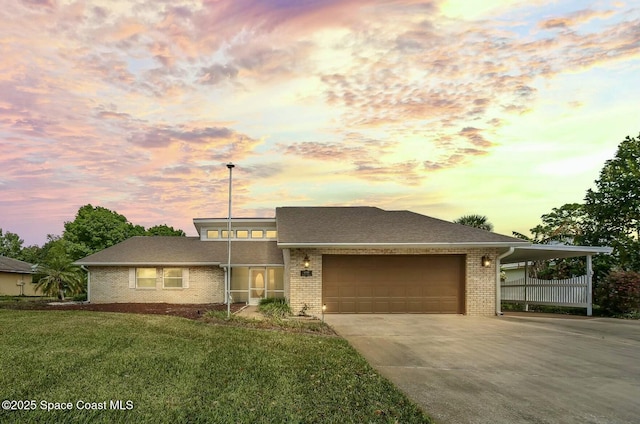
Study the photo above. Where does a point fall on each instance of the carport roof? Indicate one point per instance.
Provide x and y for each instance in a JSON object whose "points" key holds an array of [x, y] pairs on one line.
{"points": [[539, 252], [371, 226]]}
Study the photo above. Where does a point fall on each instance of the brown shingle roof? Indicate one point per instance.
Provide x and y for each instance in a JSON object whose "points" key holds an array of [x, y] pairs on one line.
{"points": [[185, 250], [14, 265], [369, 225]]}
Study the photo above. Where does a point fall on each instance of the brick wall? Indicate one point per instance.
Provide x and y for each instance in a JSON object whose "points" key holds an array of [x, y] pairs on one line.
{"points": [[480, 282], [111, 285]]}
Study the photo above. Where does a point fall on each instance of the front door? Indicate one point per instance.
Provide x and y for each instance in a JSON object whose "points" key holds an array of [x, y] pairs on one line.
{"points": [[257, 285]]}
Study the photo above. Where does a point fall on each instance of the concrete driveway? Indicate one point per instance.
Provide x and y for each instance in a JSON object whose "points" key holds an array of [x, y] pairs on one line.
{"points": [[511, 369]]}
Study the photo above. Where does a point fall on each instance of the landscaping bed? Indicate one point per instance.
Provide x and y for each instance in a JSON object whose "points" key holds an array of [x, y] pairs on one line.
{"points": [[190, 311]]}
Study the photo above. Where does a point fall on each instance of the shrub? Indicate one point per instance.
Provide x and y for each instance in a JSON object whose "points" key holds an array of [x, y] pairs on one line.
{"points": [[619, 293], [82, 297], [275, 307]]}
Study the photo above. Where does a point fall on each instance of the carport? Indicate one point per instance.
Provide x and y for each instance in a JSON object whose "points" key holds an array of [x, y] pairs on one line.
{"points": [[570, 292]]}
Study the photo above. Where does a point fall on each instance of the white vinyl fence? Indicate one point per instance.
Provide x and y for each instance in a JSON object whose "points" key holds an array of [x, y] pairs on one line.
{"points": [[569, 292]]}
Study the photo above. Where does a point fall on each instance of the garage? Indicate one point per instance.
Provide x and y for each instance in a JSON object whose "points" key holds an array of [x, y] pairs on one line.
{"points": [[393, 283]]}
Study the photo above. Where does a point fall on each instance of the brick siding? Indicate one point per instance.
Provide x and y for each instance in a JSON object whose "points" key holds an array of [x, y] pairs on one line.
{"points": [[111, 285], [480, 282]]}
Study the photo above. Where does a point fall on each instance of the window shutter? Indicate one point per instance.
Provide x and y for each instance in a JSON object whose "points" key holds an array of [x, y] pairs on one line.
{"points": [[132, 278], [185, 278]]}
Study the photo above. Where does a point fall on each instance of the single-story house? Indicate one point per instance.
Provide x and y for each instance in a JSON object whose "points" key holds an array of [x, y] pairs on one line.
{"points": [[16, 278], [345, 259]]}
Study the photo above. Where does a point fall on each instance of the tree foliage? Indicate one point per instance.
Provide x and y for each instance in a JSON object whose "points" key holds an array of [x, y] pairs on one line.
{"points": [[614, 206], [10, 245], [95, 229], [59, 276], [476, 221], [619, 294], [164, 230]]}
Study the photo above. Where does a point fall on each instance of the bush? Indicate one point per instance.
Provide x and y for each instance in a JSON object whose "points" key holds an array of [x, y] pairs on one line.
{"points": [[82, 297], [275, 307], [619, 294]]}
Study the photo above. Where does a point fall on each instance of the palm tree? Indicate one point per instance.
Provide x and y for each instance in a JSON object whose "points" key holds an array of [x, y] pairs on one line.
{"points": [[60, 277], [476, 221]]}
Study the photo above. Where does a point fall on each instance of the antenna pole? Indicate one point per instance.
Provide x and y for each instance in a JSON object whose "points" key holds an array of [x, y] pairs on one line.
{"points": [[228, 282]]}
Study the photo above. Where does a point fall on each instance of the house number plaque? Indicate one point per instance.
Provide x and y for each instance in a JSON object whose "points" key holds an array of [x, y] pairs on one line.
{"points": [[306, 273]]}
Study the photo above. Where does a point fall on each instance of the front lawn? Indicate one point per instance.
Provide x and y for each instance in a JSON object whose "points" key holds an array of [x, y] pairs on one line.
{"points": [[167, 369]]}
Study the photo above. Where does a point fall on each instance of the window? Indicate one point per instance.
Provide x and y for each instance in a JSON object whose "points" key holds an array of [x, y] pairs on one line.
{"points": [[146, 277], [172, 277], [257, 233], [213, 234], [242, 234], [271, 234], [225, 234]]}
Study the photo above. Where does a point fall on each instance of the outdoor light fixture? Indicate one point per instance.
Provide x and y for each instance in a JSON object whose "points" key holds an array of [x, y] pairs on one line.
{"points": [[324, 308], [306, 261], [486, 261]]}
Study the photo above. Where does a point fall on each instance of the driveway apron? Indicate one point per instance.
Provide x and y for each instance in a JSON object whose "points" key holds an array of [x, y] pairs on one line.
{"points": [[508, 369]]}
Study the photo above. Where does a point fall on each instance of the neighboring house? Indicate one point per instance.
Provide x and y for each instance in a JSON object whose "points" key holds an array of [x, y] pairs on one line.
{"points": [[16, 278], [349, 259], [512, 272]]}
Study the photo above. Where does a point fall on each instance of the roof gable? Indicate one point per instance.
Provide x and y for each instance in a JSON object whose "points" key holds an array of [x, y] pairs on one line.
{"points": [[307, 226]]}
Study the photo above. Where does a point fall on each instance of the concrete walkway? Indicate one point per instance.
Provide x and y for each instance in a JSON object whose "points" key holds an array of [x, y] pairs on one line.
{"points": [[505, 370]]}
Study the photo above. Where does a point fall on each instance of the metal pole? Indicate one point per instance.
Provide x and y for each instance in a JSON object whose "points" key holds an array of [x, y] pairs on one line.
{"points": [[228, 288]]}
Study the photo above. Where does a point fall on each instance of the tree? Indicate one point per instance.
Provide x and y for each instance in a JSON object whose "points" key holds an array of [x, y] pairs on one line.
{"points": [[564, 225], [476, 221], [10, 245], [164, 230], [95, 229], [613, 207], [59, 276]]}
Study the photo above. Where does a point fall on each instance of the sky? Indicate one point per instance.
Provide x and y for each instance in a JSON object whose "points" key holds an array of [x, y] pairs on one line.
{"points": [[446, 107]]}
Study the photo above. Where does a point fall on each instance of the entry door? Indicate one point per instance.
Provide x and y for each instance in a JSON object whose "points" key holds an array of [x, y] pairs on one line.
{"points": [[257, 285]]}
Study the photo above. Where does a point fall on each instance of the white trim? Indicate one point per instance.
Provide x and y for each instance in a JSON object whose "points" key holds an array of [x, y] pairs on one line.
{"points": [[236, 220], [185, 278], [569, 248], [132, 278], [250, 265], [498, 281], [403, 245]]}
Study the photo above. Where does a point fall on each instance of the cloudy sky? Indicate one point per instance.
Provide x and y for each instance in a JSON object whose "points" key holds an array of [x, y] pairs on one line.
{"points": [[502, 108]]}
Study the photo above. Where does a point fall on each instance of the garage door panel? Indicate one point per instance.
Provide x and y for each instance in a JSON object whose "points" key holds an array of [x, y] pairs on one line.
{"points": [[364, 306], [397, 306], [380, 291], [381, 307], [397, 291], [347, 291], [331, 292], [393, 283], [363, 292], [347, 306]]}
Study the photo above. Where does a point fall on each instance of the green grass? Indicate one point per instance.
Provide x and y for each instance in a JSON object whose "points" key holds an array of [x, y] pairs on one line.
{"points": [[176, 370]]}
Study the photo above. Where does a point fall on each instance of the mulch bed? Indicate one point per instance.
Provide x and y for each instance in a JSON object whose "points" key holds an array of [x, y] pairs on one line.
{"points": [[190, 311]]}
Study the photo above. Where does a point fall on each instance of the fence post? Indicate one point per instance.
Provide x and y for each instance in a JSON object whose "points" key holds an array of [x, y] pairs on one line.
{"points": [[526, 272], [589, 286]]}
